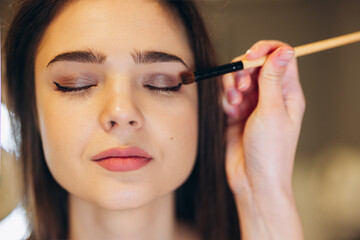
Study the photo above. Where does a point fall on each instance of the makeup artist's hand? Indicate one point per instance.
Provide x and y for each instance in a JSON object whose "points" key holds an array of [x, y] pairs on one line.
{"points": [[265, 108]]}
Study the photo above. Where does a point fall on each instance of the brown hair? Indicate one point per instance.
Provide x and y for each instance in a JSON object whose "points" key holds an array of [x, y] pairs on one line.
{"points": [[204, 200]]}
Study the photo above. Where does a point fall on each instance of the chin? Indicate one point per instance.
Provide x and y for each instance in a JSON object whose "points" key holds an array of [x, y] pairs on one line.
{"points": [[123, 199]]}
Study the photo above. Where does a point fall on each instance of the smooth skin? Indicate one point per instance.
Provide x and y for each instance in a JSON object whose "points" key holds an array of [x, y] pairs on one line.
{"points": [[118, 111], [265, 108], [140, 205]]}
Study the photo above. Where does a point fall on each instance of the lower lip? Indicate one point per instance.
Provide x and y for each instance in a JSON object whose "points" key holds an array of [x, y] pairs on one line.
{"points": [[123, 164]]}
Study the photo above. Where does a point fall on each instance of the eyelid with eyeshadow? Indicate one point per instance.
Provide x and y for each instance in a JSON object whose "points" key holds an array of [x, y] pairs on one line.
{"points": [[162, 80], [63, 88], [162, 83], [77, 79]]}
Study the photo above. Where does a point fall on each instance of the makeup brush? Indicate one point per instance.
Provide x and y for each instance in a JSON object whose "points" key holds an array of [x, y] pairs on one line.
{"points": [[190, 77]]}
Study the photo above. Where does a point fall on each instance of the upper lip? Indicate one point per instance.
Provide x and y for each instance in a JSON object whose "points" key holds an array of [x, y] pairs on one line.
{"points": [[127, 152]]}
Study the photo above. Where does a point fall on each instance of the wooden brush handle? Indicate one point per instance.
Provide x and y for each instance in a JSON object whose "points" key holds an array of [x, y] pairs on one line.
{"points": [[311, 48]]}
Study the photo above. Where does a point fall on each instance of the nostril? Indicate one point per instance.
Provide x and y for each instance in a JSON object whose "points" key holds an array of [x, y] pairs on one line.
{"points": [[112, 123], [133, 123]]}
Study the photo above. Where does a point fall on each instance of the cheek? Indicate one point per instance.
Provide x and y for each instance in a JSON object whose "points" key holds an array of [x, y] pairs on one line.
{"points": [[175, 125], [63, 132]]}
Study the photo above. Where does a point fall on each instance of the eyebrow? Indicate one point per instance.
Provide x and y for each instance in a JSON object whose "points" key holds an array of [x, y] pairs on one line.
{"points": [[87, 56], [155, 57], [90, 56]]}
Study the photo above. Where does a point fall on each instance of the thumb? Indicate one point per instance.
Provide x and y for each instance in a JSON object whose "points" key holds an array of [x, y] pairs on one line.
{"points": [[271, 76]]}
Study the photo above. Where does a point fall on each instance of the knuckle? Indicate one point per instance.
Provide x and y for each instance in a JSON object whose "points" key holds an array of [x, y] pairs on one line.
{"points": [[273, 77], [260, 44], [280, 43], [263, 42], [238, 58], [272, 44]]}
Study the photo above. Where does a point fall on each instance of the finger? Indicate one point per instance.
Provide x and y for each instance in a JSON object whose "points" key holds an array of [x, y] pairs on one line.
{"points": [[233, 96], [231, 111], [239, 58], [243, 80], [263, 48], [271, 75], [293, 95]]}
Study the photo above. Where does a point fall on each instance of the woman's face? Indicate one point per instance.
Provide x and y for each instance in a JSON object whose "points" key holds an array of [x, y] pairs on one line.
{"points": [[107, 77]]}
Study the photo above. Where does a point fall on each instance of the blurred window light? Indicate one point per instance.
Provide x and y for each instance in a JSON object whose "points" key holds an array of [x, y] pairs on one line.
{"points": [[15, 225], [7, 140]]}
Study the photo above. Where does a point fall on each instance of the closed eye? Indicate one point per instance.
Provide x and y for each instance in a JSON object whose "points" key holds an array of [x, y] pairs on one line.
{"points": [[72, 89], [164, 89]]}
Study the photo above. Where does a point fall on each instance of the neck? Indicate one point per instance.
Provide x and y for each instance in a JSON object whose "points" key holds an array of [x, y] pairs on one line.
{"points": [[155, 220]]}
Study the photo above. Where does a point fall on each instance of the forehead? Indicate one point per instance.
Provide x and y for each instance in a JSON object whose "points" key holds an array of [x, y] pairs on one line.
{"points": [[115, 28]]}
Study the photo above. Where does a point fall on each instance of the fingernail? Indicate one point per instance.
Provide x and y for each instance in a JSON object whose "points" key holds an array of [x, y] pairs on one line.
{"points": [[233, 96], [284, 57], [250, 51]]}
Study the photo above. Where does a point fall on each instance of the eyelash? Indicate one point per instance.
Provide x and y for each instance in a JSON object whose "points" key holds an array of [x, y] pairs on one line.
{"points": [[84, 88], [71, 89], [164, 90]]}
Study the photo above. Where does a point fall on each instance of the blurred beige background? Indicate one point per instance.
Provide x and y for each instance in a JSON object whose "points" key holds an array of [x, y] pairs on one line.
{"points": [[327, 169]]}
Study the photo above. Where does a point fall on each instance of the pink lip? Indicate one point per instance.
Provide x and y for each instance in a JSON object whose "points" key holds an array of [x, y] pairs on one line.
{"points": [[122, 159]]}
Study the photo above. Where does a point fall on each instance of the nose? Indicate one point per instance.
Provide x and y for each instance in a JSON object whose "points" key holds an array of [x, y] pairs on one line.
{"points": [[120, 113]]}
